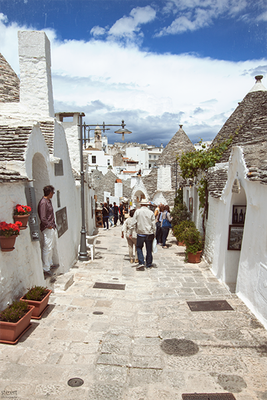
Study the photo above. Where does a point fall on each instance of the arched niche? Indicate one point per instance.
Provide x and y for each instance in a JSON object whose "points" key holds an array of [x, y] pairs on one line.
{"points": [[40, 175], [138, 196]]}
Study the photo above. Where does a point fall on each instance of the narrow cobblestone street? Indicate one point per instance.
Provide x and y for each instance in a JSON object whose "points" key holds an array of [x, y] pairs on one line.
{"points": [[141, 343]]}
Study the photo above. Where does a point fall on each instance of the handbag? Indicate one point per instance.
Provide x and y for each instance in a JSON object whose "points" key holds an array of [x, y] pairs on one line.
{"points": [[166, 223]]}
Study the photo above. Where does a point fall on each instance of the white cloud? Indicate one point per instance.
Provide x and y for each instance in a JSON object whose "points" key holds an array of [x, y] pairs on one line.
{"points": [[262, 17], [191, 15], [97, 31], [154, 93], [128, 27]]}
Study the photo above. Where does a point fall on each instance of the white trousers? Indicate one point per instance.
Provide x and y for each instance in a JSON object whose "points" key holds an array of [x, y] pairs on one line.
{"points": [[49, 250]]}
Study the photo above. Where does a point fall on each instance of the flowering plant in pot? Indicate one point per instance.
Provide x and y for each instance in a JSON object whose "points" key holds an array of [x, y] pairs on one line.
{"points": [[22, 213], [38, 297], [8, 235], [14, 321], [22, 210], [193, 241]]}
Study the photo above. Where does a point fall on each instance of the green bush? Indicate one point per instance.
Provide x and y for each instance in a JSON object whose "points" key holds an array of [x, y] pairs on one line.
{"points": [[36, 293], [14, 312], [180, 213], [180, 229], [193, 240]]}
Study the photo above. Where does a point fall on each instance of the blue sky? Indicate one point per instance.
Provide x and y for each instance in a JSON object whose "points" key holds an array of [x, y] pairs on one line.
{"points": [[154, 64]]}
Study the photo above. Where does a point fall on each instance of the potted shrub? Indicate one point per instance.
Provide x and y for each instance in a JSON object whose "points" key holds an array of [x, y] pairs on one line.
{"points": [[180, 213], [8, 235], [194, 244], [179, 230], [14, 321], [38, 297], [21, 213]]}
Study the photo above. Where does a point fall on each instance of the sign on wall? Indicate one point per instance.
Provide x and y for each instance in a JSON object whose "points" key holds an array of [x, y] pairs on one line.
{"points": [[62, 221]]}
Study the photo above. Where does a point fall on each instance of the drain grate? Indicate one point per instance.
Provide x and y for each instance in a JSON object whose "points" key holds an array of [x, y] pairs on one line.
{"points": [[215, 305], [208, 396], [75, 382], [114, 286]]}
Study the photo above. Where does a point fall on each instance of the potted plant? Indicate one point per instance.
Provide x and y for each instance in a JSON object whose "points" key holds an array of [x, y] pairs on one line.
{"points": [[194, 244], [14, 321], [180, 213], [8, 235], [38, 297], [21, 213], [178, 230]]}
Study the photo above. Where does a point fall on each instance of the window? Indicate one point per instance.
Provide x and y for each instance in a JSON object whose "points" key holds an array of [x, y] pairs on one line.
{"points": [[155, 157], [93, 159], [149, 155], [108, 162]]}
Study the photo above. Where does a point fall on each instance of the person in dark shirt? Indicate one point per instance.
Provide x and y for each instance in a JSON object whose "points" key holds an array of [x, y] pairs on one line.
{"points": [[105, 213], [48, 229], [116, 213]]}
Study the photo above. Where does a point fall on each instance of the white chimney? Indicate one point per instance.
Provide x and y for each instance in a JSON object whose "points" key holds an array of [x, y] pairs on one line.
{"points": [[35, 73]]}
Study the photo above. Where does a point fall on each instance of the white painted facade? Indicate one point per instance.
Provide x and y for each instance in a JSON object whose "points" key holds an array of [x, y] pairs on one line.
{"points": [[22, 268], [97, 159], [244, 271]]}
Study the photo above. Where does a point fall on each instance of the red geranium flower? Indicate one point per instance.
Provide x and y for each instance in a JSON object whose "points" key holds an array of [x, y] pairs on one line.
{"points": [[22, 210], [8, 230]]}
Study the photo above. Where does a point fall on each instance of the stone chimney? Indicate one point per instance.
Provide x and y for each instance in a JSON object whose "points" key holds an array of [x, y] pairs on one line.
{"points": [[35, 73]]}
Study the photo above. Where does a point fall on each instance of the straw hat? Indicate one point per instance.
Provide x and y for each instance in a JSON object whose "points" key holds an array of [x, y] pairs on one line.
{"points": [[144, 202]]}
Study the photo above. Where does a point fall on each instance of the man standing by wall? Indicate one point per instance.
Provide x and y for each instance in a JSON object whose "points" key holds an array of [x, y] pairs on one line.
{"points": [[48, 228], [144, 219]]}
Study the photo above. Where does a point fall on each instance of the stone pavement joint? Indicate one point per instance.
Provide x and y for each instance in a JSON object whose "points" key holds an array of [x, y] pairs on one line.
{"points": [[143, 342]]}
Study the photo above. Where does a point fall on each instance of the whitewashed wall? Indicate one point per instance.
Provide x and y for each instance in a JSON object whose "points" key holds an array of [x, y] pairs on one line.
{"points": [[246, 270], [21, 268]]}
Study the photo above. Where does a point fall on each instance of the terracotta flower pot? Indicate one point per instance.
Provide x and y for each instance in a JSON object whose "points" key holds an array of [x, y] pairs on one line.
{"points": [[194, 258], [23, 219], [39, 306], [10, 332], [180, 243], [7, 243]]}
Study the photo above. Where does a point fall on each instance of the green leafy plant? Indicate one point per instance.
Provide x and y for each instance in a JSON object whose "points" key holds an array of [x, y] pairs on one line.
{"points": [[195, 164], [14, 312], [180, 229], [180, 213], [193, 240], [36, 293]]}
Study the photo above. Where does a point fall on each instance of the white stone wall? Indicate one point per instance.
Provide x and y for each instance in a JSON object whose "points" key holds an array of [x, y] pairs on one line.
{"points": [[35, 72], [164, 178], [243, 271], [72, 136], [22, 267]]}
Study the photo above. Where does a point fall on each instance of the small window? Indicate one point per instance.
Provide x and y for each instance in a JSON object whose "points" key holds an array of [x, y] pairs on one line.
{"points": [[93, 159], [108, 162], [149, 155], [155, 157]]}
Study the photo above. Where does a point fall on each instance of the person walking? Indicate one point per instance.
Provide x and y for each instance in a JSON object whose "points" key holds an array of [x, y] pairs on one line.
{"points": [[158, 224], [105, 213], [116, 213], [144, 220], [121, 213], [49, 231], [130, 234], [110, 215], [165, 225]]}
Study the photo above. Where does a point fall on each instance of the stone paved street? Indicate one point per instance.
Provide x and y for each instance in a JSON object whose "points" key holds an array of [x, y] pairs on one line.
{"points": [[144, 343]]}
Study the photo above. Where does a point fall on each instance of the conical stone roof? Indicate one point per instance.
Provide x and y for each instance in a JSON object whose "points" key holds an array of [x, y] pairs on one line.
{"points": [[9, 83], [249, 120]]}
